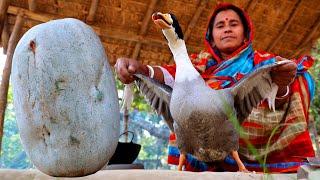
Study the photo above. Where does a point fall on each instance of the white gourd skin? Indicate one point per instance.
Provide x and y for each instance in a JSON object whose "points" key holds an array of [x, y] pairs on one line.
{"points": [[65, 98]]}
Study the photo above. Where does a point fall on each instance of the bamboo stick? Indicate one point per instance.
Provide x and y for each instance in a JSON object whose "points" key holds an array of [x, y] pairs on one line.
{"points": [[283, 30], [13, 41], [92, 11], [104, 32], [303, 45], [32, 5], [42, 17], [144, 27], [5, 36], [4, 4], [201, 6]]}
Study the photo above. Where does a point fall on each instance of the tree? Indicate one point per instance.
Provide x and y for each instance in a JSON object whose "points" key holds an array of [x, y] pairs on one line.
{"points": [[13, 155], [315, 71]]}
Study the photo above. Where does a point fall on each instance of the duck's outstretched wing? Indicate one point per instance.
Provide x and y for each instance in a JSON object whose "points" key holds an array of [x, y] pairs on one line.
{"points": [[254, 88], [158, 96]]}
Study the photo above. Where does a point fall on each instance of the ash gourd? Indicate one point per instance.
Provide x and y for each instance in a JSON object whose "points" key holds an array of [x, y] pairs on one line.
{"points": [[65, 98]]}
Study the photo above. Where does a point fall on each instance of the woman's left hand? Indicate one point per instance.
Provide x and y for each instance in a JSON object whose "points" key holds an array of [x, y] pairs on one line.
{"points": [[284, 74]]}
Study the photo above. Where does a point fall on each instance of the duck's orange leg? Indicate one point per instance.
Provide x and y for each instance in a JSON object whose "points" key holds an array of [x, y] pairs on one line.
{"points": [[236, 157], [182, 160]]}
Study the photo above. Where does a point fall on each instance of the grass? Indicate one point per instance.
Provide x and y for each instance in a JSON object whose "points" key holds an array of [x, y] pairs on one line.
{"points": [[232, 117]]}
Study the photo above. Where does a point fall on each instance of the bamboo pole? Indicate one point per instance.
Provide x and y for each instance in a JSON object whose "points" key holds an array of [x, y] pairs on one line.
{"points": [[5, 36], [4, 4], [309, 35], [200, 7], [251, 4], [92, 11], [103, 32], [13, 41], [287, 24], [144, 27], [42, 17], [32, 5]]}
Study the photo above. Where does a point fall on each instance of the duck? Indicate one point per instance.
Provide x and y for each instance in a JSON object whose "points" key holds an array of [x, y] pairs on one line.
{"points": [[201, 117]]}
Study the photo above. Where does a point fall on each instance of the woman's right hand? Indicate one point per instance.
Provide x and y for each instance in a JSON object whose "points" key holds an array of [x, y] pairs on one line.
{"points": [[126, 68]]}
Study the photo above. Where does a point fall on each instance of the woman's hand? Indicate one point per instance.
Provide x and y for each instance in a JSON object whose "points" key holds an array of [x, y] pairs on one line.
{"points": [[126, 68], [283, 76]]}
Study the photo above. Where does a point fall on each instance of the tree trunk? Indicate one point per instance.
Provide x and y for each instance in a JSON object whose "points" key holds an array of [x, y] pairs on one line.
{"points": [[159, 132]]}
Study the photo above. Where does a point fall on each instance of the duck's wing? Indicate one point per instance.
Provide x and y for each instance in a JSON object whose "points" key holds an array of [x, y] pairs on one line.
{"points": [[254, 88], [158, 96]]}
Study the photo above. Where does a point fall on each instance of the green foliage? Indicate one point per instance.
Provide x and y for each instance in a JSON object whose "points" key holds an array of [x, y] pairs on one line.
{"points": [[315, 71], [153, 154], [233, 119], [138, 103], [13, 155]]}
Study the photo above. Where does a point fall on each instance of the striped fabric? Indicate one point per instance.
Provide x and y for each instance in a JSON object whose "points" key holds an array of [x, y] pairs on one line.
{"points": [[290, 144]]}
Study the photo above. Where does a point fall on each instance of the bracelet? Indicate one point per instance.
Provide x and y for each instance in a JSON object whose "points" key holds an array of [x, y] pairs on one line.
{"points": [[284, 96], [151, 71]]}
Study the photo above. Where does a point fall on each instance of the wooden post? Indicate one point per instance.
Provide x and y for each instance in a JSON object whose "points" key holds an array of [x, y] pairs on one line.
{"points": [[13, 41], [5, 37], [32, 5], [4, 4], [92, 11]]}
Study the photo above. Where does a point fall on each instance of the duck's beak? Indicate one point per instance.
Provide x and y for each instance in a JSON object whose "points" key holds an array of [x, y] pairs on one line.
{"points": [[163, 21]]}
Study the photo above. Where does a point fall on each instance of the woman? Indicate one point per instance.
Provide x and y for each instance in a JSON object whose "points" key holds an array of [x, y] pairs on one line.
{"points": [[228, 58]]}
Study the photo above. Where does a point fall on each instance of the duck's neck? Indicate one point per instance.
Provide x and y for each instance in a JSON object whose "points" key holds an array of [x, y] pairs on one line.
{"points": [[185, 70]]}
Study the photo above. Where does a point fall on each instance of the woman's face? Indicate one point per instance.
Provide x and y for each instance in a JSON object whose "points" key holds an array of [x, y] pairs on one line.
{"points": [[228, 31]]}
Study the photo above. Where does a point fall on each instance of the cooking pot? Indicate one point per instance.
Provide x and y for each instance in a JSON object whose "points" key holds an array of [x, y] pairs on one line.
{"points": [[126, 152]]}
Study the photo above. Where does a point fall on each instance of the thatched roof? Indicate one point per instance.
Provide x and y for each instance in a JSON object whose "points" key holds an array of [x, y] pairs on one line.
{"points": [[287, 27]]}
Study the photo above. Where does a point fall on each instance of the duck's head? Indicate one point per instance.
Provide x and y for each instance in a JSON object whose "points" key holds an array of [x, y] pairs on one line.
{"points": [[167, 21]]}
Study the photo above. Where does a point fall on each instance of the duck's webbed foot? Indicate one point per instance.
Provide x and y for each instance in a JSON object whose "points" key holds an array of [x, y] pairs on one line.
{"points": [[241, 166], [182, 160]]}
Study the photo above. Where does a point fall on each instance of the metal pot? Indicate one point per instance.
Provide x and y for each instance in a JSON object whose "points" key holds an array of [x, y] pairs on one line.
{"points": [[126, 152]]}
